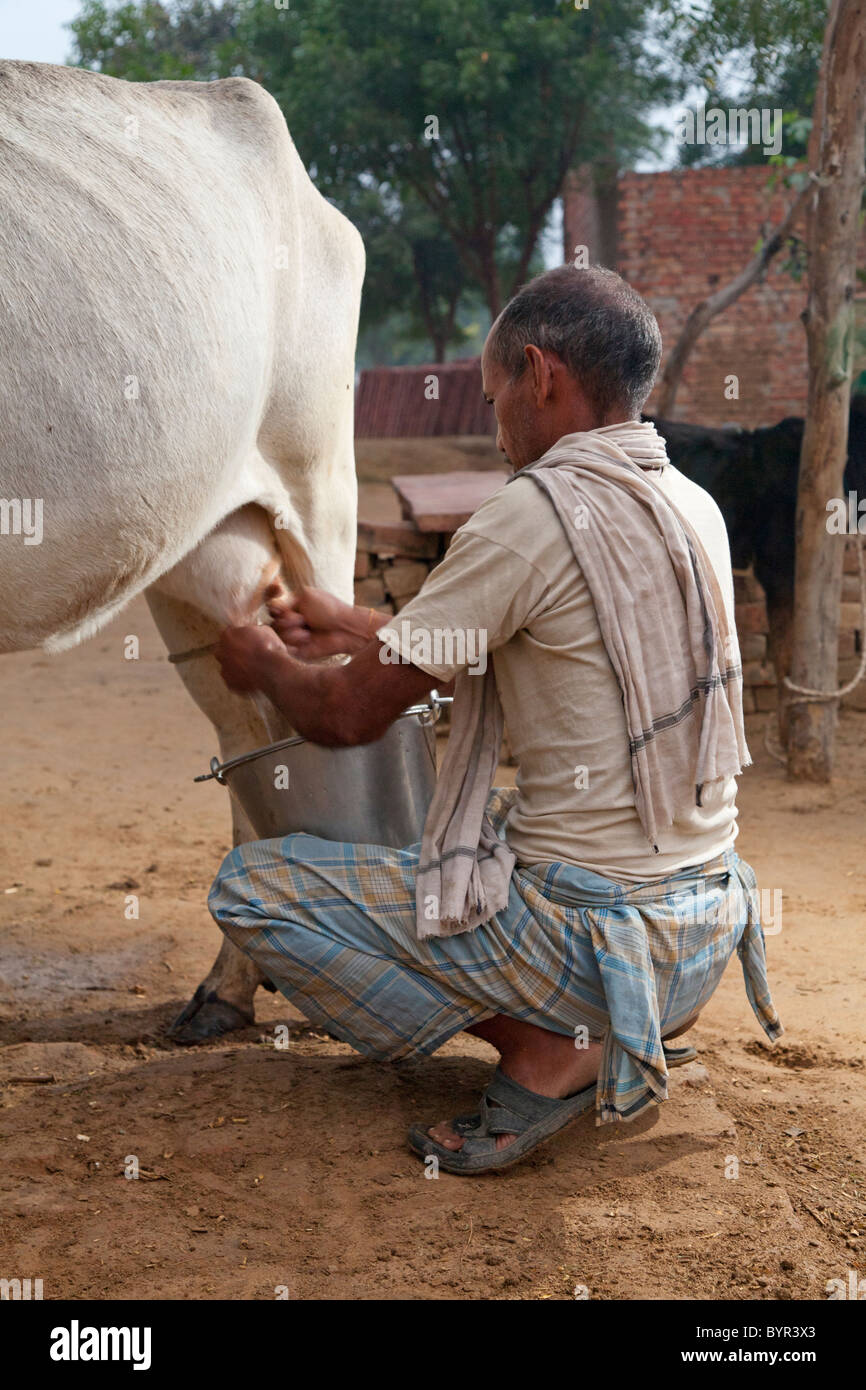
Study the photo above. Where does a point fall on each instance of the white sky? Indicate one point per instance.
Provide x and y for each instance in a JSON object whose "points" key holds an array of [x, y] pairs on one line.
{"points": [[34, 29]]}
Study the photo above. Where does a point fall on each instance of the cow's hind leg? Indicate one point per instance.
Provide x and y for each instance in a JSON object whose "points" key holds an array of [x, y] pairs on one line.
{"points": [[224, 999]]}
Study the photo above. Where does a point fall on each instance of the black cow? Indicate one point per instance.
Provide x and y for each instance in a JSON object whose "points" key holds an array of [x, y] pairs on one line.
{"points": [[752, 474]]}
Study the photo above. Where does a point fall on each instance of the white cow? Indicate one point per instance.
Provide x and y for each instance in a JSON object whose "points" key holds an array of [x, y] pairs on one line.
{"points": [[178, 316]]}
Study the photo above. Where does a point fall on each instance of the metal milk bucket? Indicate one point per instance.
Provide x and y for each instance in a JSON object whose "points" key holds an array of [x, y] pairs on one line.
{"points": [[373, 793]]}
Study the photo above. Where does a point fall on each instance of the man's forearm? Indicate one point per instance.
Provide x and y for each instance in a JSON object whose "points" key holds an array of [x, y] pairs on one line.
{"points": [[341, 706], [314, 699], [335, 705]]}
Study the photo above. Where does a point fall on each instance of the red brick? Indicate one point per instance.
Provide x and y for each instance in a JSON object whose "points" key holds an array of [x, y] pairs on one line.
{"points": [[850, 617], [753, 646], [746, 587], [847, 672], [758, 673], [444, 501], [404, 577]]}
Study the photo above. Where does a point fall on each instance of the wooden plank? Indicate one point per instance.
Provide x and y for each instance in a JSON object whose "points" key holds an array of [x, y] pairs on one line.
{"points": [[444, 501]]}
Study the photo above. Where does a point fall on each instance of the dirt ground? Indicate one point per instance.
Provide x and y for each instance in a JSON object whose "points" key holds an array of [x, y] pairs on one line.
{"points": [[264, 1170]]}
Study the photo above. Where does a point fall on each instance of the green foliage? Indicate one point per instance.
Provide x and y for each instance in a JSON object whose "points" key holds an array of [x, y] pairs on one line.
{"points": [[444, 128], [473, 109], [763, 41], [414, 278], [522, 90], [762, 56], [150, 41]]}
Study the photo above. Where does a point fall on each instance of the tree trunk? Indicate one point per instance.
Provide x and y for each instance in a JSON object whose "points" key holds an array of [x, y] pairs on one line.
{"points": [[489, 274], [839, 124]]}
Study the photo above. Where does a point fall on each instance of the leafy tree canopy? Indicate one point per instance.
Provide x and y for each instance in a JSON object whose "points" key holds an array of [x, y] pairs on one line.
{"points": [[444, 128]]}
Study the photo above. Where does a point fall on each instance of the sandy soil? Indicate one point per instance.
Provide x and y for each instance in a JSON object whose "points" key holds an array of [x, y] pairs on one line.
{"points": [[262, 1169]]}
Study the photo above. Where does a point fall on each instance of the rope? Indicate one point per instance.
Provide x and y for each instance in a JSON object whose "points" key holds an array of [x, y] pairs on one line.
{"points": [[175, 657], [776, 752], [809, 696]]}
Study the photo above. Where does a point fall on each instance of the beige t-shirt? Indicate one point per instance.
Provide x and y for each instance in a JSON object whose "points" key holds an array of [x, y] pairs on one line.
{"points": [[510, 574]]}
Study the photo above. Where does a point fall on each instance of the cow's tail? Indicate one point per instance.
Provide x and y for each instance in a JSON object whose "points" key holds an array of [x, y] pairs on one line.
{"points": [[297, 565]]}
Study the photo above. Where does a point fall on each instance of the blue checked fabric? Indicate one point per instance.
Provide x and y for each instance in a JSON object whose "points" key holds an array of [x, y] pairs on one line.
{"points": [[333, 926]]}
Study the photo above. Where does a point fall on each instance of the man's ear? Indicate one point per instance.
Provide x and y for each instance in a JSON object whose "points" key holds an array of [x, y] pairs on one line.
{"points": [[542, 375]]}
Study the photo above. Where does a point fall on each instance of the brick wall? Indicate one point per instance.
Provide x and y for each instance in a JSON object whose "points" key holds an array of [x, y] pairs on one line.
{"points": [[681, 235]]}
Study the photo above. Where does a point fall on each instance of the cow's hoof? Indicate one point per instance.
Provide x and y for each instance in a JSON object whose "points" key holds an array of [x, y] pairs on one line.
{"points": [[207, 1016]]}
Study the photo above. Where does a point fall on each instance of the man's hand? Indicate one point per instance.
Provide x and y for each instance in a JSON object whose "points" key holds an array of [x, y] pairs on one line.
{"points": [[248, 657], [314, 624], [337, 705]]}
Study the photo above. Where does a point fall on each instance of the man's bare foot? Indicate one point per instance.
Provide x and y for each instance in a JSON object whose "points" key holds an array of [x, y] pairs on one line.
{"points": [[547, 1063]]}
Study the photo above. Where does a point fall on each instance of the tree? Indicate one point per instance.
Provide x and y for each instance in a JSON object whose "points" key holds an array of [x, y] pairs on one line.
{"points": [[763, 41], [150, 41], [447, 124], [413, 275], [838, 152], [473, 109]]}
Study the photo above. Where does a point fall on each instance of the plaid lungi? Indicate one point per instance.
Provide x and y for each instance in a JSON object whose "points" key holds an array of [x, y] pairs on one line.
{"points": [[332, 925]]}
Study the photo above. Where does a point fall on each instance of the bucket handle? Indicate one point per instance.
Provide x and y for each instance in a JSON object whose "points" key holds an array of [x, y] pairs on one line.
{"points": [[432, 708], [215, 774]]}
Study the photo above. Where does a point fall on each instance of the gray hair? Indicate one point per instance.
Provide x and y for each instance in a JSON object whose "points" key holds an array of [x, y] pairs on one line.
{"points": [[600, 327]]}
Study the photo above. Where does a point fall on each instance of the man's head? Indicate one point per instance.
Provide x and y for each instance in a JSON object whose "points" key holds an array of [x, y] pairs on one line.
{"points": [[572, 351]]}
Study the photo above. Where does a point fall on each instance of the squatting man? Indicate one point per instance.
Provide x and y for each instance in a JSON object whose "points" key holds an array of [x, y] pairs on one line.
{"points": [[578, 924]]}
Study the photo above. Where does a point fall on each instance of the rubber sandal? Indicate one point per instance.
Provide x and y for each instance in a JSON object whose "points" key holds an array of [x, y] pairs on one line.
{"points": [[506, 1108], [674, 1056]]}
